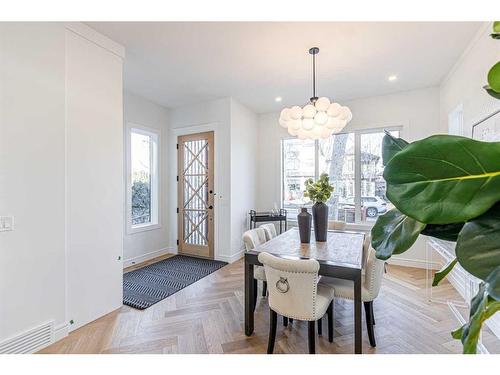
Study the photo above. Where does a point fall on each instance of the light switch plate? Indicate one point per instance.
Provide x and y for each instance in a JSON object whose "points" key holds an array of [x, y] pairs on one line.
{"points": [[6, 223]]}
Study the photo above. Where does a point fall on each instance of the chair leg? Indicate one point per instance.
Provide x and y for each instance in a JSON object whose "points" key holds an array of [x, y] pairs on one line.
{"points": [[290, 320], [254, 294], [373, 315], [264, 288], [369, 323], [285, 321], [330, 322], [320, 327], [312, 337], [273, 319]]}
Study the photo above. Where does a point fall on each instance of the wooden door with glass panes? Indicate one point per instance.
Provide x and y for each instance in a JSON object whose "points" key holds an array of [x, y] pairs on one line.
{"points": [[195, 194]]}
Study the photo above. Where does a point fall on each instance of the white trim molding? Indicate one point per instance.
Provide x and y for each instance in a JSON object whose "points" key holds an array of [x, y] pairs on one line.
{"points": [[232, 258], [415, 263], [148, 256], [95, 37], [156, 179]]}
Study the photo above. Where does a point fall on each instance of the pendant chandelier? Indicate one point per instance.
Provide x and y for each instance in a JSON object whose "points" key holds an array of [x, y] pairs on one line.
{"points": [[320, 118]]}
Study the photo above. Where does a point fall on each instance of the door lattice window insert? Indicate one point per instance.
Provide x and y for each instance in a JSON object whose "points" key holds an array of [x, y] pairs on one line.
{"points": [[195, 185]]}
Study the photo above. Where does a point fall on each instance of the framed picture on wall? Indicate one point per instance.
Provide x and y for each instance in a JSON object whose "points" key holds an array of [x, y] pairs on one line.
{"points": [[488, 129]]}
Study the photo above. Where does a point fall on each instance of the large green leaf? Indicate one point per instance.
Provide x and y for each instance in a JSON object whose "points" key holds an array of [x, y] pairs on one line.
{"points": [[493, 283], [391, 146], [394, 233], [444, 179], [494, 77], [496, 30], [441, 274], [492, 93], [448, 232], [478, 244], [482, 308]]}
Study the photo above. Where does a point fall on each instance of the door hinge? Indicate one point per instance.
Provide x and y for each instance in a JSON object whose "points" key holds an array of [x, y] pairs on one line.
{"points": [[177, 242], [177, 146], [177, 178], [177, 209]]}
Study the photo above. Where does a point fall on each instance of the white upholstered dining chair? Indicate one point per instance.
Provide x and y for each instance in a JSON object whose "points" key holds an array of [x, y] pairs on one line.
{"points": [[294, 292], [270, 230], [253, 238], [370, 288]]}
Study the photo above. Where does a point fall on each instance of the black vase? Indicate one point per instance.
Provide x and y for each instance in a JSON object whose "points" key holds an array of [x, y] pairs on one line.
{"points": [[304, 219], [320, 218]]}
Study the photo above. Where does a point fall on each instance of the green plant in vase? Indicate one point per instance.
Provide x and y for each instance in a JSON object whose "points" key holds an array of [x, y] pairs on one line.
{"points": [[319, 192]]}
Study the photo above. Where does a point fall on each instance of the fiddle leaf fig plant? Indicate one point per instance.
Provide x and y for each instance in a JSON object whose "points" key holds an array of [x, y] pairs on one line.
{"points": [[447, 187], [493, 86], [319, 191]]}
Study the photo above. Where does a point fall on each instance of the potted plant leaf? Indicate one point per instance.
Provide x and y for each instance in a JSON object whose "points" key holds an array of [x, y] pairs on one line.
{"points": [[319, 192]]}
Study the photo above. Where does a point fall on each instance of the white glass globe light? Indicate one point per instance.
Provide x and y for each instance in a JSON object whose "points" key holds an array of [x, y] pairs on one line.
{"points": [[325, 132], [349, 115], [333, 123], [295, 112], [285, 114], [316, 131], [307, 123], [292, 132], [295, 124], [283, 123], [302, 134], [322, 104], [344, 113], [333, 109], [308, 111], [321, 118]]}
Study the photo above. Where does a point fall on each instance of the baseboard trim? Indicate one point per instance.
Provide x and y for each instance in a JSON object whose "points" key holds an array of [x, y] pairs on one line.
{"points": [[232, 258], [60, 331], [148, 256], [414, 263]]}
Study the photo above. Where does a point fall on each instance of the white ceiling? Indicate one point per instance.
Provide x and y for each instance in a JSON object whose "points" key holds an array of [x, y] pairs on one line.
{"points": [[175, 63]]}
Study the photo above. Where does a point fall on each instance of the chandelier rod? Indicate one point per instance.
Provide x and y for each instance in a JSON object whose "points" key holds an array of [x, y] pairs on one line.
{"points": [[314, 51]]}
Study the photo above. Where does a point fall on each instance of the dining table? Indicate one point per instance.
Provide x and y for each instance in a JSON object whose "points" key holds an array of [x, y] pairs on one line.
{"points": [[340, 256]]}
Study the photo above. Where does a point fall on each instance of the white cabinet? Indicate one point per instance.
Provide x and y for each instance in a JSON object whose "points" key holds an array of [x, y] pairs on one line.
{"points": [[94, 179], [466, 284]]}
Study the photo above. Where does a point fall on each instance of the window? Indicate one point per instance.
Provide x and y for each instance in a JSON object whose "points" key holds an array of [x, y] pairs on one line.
{"points": [[143, 179], [353, 162]]}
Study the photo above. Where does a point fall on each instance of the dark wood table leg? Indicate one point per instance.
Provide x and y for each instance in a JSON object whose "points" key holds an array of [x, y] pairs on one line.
{"points": [[249, 297], [357, 315]]}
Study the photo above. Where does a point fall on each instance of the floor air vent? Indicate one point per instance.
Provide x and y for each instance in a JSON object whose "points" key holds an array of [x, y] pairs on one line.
{"points": [[29, 341]]}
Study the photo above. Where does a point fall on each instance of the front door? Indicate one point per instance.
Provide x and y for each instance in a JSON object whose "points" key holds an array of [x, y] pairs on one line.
{"points": [[195, 194]]}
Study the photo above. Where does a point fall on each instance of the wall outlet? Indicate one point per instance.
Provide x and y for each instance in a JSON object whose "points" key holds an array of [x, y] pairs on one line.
{"points": [[6, 223]]}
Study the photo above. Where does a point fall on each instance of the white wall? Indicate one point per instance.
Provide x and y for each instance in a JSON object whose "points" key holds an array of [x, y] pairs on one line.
{"points": [[417, 111], [141, 246], [244, 125], [32, 265], [61, 176], [235, 139], [464, 84], [214, 116]]}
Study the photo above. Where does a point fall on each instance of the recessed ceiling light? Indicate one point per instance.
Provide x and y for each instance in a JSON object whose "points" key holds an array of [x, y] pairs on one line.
{"points": [[278, 99], [392, 78]]}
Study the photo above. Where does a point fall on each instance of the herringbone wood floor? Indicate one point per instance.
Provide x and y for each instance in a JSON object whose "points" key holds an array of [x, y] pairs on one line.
{"points": [[207, 317]]}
